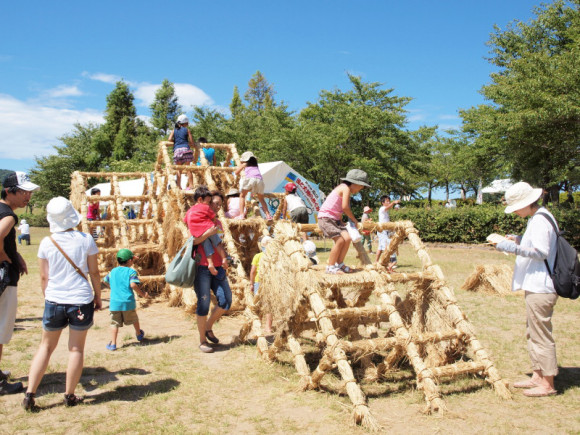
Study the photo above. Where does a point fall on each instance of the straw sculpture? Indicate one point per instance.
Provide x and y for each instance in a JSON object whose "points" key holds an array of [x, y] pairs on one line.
{"points": [[492, 279], [360, 328], [366, 325]]}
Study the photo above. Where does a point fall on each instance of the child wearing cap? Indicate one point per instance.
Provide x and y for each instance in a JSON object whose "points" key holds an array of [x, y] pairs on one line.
{"points": [[255, 276], [330, 218], [123, 281], [182, 144], [294, 205], [251, 182], [366, 235]]}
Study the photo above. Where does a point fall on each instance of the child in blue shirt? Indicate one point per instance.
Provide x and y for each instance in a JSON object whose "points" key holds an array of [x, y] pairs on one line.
{"points": [[123, 280]]}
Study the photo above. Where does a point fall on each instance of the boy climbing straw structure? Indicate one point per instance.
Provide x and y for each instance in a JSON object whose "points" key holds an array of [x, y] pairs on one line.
{"points": [[330, 218], [123, 281]]}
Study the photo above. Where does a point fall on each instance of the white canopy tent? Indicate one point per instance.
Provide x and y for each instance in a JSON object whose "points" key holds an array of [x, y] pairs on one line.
{"points": [[127, 187], [498, 186]]}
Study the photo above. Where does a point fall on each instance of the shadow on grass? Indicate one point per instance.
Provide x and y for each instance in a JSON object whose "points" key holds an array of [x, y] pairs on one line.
{"points": [[91, 379], [133, 393], [568, 377], [125, 393], [149, 341], [28, 319]]}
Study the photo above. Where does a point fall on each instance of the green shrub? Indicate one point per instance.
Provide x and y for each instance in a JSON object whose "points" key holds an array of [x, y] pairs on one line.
{"points": [[474, 224], [34, 220]]}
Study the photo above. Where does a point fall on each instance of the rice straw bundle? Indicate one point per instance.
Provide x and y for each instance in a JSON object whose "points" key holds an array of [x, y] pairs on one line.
{"points": [[492, 279]]}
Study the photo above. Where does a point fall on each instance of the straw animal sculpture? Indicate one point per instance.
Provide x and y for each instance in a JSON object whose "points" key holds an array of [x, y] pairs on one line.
{"points": [[366, 325], [493, 279]]}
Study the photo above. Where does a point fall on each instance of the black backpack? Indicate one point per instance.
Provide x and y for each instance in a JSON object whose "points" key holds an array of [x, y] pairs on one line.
{"points": [[566, 273]]}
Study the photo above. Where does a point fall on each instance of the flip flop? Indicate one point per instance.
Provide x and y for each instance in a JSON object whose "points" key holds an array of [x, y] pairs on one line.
{"points": [[528, 383], [539, 392]]}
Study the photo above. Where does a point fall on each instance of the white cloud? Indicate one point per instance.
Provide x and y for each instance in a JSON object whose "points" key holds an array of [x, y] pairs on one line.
{"points": [[188, 95], [102, 77], [449, 117], [29, 129], [63, 91]]}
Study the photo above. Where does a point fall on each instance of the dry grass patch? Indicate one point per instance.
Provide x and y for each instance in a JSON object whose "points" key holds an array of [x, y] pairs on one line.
{"points": [[166, 385]]}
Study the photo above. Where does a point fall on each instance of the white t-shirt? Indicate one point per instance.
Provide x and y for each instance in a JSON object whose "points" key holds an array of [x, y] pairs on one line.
{"points": [[24, 229], [65, 285], [384, 215], [531, 274], [294, 201]]}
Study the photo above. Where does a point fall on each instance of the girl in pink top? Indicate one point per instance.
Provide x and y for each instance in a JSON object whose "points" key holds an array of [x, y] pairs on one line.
{"points": [[251, 182], [330, 218]]}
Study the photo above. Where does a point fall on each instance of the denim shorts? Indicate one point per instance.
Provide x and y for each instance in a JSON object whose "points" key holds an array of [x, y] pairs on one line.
{"points": [[58, 316]]}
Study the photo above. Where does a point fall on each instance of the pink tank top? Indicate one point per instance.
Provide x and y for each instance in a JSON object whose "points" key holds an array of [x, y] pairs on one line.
{"points": [[332, 207], [233, 208], [252, 172]]}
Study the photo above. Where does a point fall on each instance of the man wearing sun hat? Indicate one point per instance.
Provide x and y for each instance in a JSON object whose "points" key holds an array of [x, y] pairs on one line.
{"points": [[16, 192]]}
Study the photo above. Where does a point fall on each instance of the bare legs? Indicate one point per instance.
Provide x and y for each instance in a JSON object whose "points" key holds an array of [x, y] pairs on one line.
{"points": [[340, 248], [204, 324], [76, 348]]}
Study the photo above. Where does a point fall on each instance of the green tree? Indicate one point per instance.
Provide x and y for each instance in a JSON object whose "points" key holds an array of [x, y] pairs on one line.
{"points": [[165, 108], [260, 93], [535, 113], [52, 173], [359, 128], [236, 106], [120, 119]]}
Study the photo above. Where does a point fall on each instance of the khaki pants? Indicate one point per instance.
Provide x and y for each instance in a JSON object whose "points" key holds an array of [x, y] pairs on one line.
{"points": [[541, 345]]}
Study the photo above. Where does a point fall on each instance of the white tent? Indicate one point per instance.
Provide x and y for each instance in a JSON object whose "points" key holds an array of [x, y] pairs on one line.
{"points": [[498, 186], [277, 174], [127, 187]]}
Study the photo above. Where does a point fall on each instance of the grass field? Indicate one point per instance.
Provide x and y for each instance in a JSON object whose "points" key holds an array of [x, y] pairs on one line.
{"points": [[166, 385]]}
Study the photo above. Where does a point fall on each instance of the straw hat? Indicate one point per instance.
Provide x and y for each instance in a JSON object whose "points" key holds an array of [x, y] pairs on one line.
{"points": [[61, 215], [247, 156], [233, 191], [357, 176], [521, 195]]}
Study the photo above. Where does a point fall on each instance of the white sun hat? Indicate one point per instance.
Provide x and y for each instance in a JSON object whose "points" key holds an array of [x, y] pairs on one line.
{"points": [[183, 119], [61, 215], [521, 195], [310, 250]]}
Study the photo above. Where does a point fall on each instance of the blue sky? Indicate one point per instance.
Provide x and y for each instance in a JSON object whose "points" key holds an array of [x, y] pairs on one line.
{"points": [[59, 60]]}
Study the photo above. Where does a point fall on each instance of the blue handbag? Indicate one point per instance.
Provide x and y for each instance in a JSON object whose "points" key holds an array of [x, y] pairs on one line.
{"points": [[182, 269]]}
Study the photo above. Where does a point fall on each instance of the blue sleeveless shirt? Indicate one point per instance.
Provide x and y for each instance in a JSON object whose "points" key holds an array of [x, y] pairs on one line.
{"points": [[180, 138]]}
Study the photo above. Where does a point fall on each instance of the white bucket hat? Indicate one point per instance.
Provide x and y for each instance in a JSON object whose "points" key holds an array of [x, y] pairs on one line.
{"points": [[521, 195], [310, 250], [264, 241], [61, 215], [183, 119], [246, 156]]}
